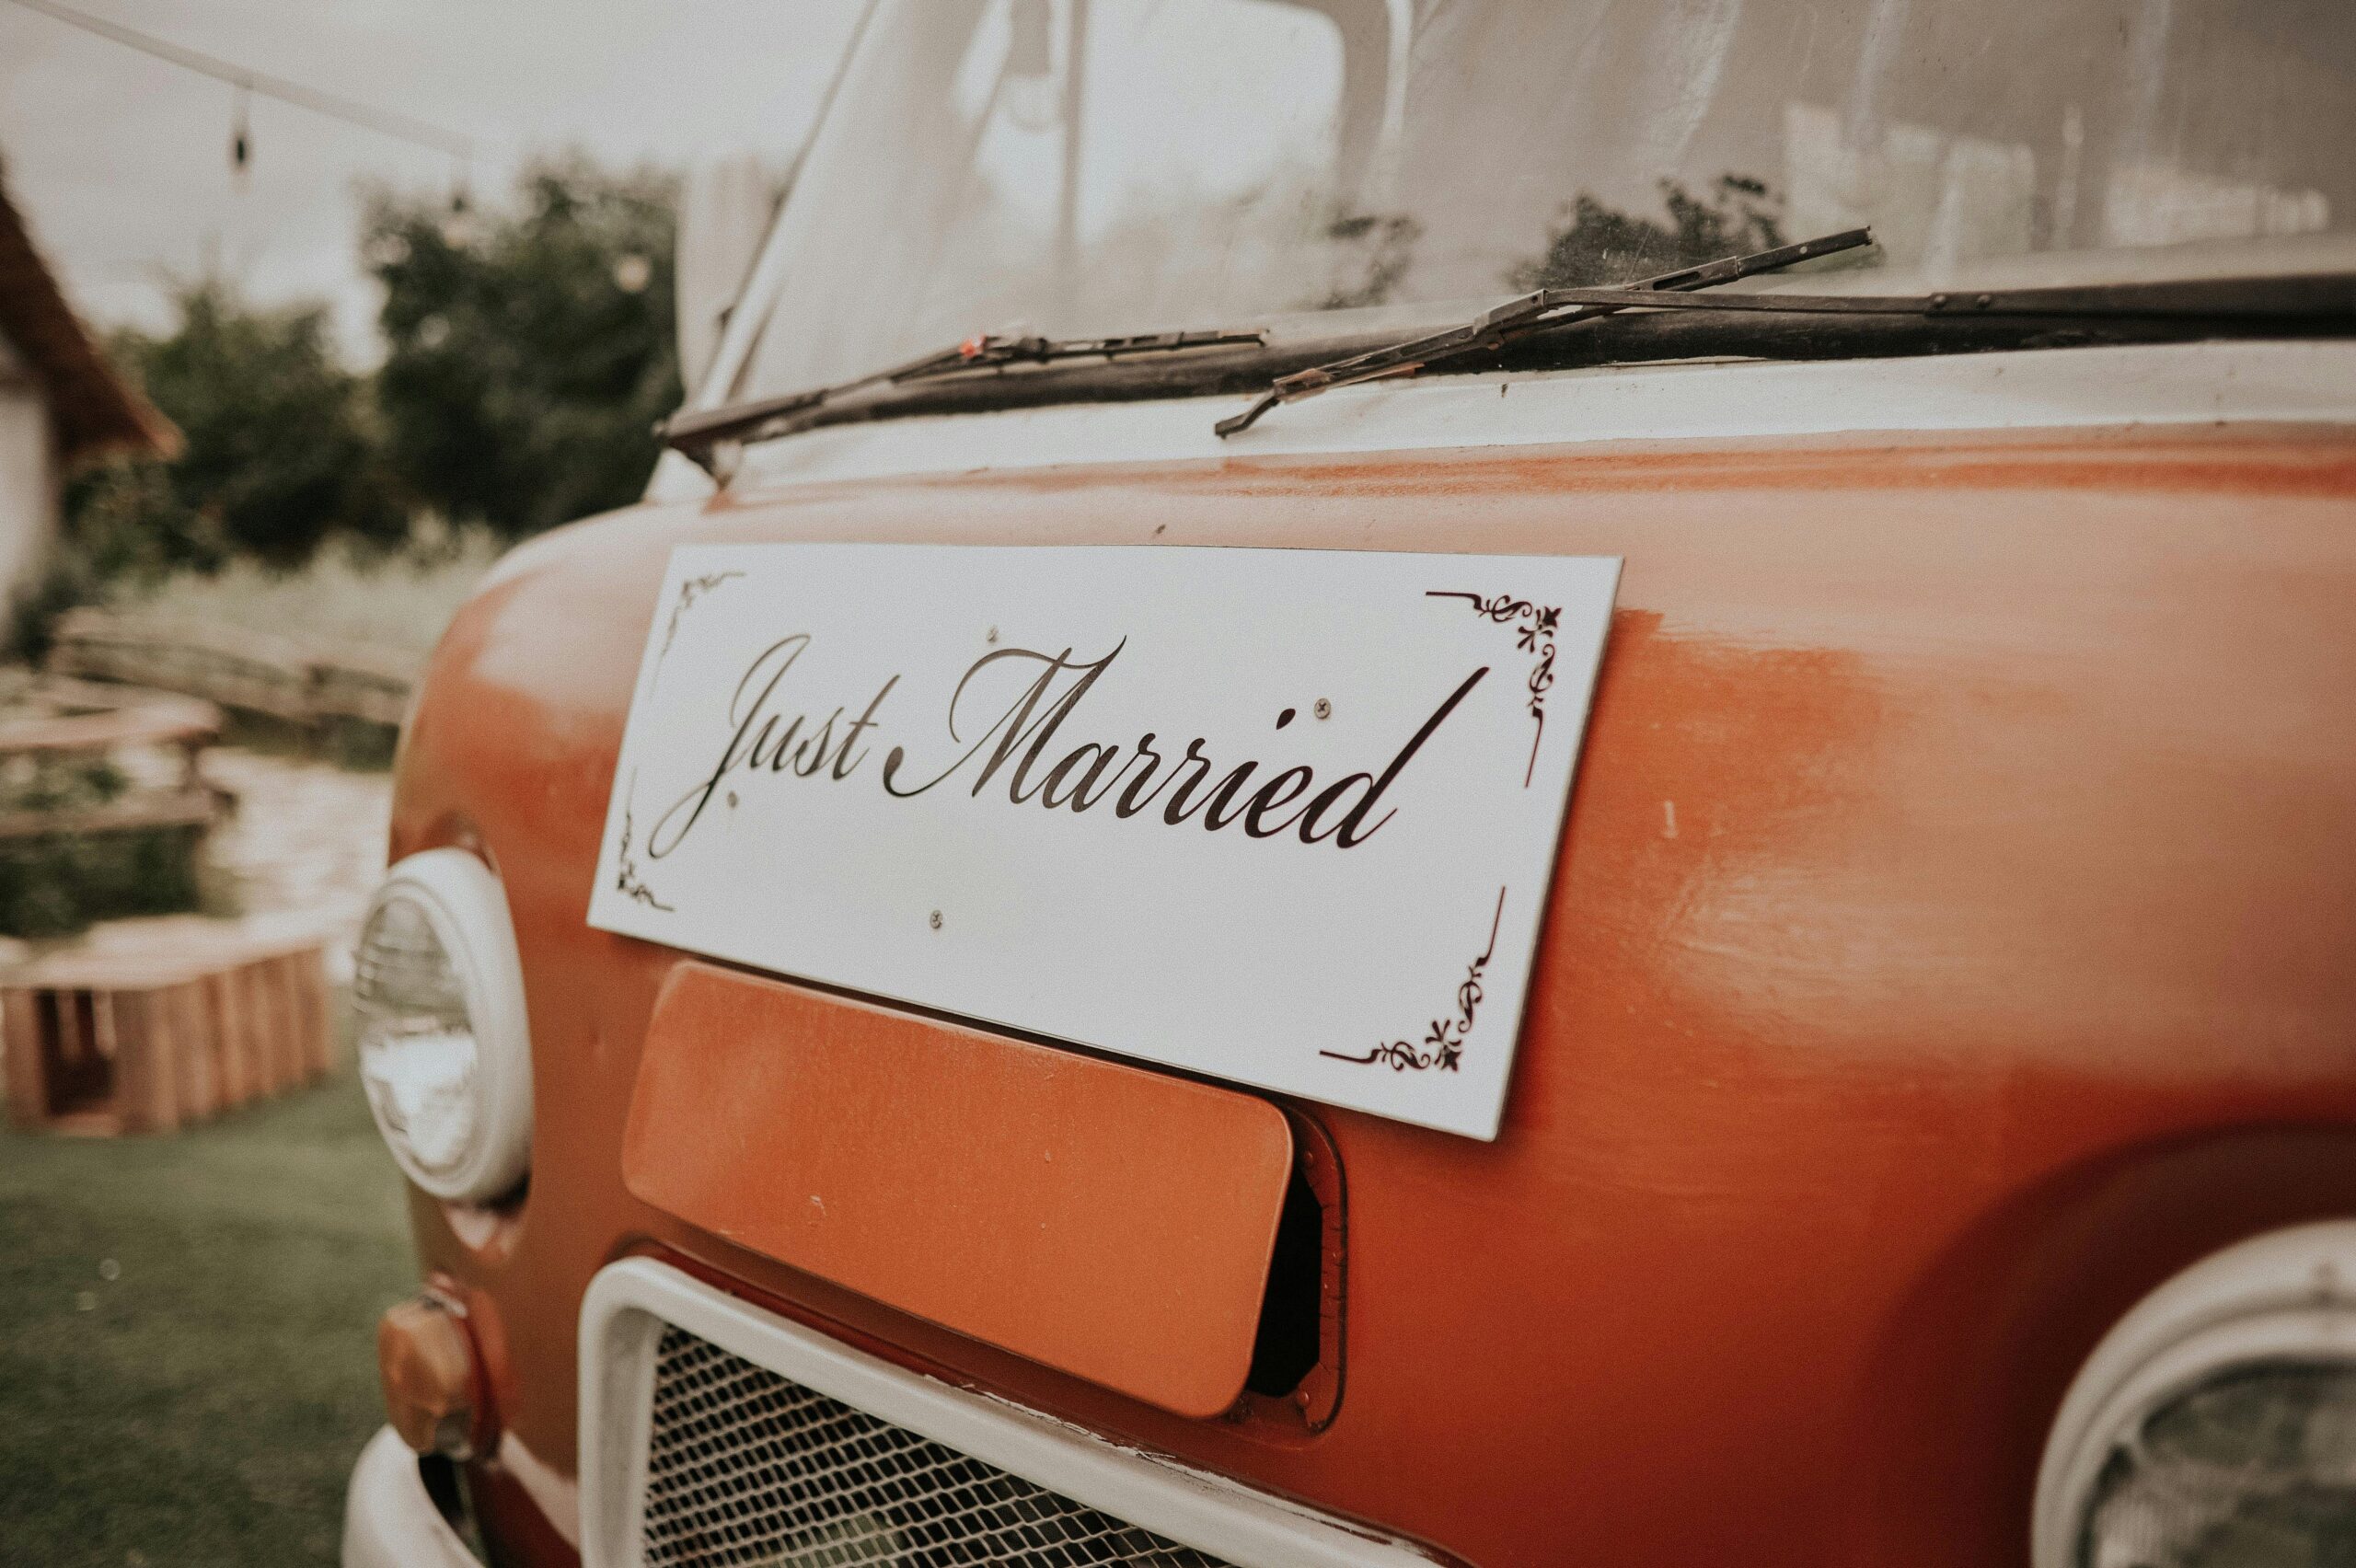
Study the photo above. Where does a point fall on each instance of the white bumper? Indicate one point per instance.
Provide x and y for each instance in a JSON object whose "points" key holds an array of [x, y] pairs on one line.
{"points": [[388, 1520]]}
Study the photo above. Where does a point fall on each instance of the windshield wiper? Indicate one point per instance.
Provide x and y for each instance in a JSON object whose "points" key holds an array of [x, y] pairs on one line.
{"points": [[2325, 301], [1542, 311], [2265, 297], [698, 434], [1655, 319]]}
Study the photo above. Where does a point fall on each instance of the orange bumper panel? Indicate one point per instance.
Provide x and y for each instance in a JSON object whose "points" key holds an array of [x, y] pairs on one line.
{"points": [[1102, 1219]]}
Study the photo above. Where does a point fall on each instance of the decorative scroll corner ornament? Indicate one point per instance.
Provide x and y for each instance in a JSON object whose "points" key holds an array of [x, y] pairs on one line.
{"points": [[1535, 627], [1443, 1044], [627, 882], [691, 589]]}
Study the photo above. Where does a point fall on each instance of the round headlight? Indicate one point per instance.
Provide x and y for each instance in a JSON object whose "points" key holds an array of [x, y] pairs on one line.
{"points": [[2217, 1424], [445, 1051]]}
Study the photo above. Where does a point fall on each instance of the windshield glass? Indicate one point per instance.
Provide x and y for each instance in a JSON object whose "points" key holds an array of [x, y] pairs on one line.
{"points": [[1080, 168]]}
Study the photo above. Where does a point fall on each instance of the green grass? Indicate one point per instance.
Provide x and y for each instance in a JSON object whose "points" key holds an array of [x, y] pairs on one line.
{"points": [[205, 1404]]}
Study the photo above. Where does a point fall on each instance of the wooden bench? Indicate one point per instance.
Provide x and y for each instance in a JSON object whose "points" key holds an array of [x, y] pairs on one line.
{"points": [[56, 716], [153, 1024]]}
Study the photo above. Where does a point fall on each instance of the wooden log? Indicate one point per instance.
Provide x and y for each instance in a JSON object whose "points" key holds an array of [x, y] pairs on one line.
{"points": [[318, 1014], [293, 995], [286, 1020], [283, 981], [232, 1059], [310, 1060], [66, 1035], [181, 1006], [147, 1069], [261, 1046], [260, 1029], [22, 1055]]}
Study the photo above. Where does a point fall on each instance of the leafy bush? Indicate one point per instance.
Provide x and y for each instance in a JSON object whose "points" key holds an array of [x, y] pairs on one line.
{"points": [[528, 355], [54, 884], [281, 451], [57, 884]]}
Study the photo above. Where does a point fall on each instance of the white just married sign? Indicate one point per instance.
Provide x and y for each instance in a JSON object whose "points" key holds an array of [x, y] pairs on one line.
{"points": [[1282, 817]]}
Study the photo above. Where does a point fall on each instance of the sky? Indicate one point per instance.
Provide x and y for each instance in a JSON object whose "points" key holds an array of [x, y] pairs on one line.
{"points": [[122, 162]]}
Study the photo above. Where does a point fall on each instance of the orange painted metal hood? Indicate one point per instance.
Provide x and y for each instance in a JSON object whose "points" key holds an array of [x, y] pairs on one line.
{"points": [[1950, 941]]}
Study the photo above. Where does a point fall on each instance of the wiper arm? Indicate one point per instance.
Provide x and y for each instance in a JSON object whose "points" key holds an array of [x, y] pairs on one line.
{"points": [[1541, 311], [697, 434]]}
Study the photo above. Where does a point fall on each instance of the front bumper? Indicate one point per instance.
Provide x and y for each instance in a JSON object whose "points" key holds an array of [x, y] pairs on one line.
{"points": [[389, 1520]]}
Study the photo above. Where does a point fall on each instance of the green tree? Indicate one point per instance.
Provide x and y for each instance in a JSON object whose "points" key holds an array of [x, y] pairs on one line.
{"points": [[528, 352], [1598, 245], [281, 448]]}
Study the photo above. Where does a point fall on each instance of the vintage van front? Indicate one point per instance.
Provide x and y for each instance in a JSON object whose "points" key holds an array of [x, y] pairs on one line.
{"points": [[1382, 783]]}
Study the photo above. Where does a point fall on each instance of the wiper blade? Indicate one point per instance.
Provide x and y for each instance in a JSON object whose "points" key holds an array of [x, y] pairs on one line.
{"points": [[2327, 300], [1544, 310], [2288, 296], [697, 434]]}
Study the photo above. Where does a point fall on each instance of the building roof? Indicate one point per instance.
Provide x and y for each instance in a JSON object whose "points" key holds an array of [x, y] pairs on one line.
{"points": [[95, 411]]}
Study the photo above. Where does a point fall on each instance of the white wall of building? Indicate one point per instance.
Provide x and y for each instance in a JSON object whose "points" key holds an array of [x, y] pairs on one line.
{"points": [[28, 478]]}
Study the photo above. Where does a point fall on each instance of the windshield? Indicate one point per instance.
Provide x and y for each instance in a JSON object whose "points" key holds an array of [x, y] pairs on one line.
{"points": [[1079, 168]]}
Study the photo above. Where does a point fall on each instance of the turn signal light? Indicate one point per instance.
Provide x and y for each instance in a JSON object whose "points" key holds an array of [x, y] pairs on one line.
{"points": [[433, 1381]]}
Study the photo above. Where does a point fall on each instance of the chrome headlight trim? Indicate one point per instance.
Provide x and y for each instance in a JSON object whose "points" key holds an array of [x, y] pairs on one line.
{"points": [[2288, 1295], [466, 909]]}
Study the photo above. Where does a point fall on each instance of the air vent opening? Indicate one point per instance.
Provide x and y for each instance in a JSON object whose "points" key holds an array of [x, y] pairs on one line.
{"points": [[745, 1466], [1291, 1312]]}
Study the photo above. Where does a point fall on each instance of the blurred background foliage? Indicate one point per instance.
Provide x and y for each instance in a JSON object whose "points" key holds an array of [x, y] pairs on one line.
{"points": [[280, 438], [527, 355], [528, 351]]}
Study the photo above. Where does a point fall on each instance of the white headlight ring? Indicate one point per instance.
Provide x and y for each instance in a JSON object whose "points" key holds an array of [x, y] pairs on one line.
{"points": [[466, 908], [2286, 1295]]}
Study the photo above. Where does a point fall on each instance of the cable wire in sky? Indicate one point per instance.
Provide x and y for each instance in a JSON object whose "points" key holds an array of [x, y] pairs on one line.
{"points": [[384, 122]]}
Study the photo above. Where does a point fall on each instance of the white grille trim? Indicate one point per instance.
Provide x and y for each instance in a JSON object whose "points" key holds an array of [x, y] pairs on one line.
{"points": [[631, 1303]]}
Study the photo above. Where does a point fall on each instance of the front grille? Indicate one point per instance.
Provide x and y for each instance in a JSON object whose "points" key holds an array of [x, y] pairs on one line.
{"points": [[744, 1467]]}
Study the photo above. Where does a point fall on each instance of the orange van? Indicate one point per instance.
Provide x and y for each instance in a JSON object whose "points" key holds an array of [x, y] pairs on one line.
{"points": [[1405, 781]]}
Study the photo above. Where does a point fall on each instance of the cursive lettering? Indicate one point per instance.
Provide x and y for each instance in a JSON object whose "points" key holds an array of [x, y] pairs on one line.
{"points": [[1199, 789], [755, 741], [1015, 738]]}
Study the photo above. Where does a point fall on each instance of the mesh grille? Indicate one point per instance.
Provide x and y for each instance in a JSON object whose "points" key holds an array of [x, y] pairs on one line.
{"points": [[745, 1468]]}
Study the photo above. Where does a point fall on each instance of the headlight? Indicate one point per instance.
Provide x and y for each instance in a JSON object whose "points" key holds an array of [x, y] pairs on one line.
{"points": [[2215, 1425], [445, 1051]]}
